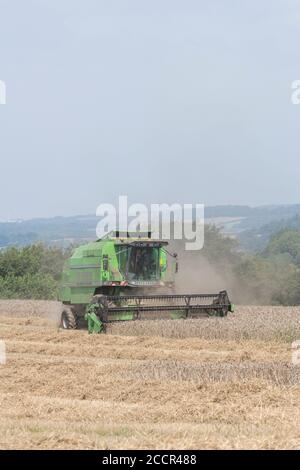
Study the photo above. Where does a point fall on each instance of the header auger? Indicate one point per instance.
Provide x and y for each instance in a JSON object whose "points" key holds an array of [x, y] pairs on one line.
{"points": [[120, 278]]}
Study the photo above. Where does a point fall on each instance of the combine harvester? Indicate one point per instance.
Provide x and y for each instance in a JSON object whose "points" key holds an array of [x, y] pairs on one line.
{"points": [[121, 278]]}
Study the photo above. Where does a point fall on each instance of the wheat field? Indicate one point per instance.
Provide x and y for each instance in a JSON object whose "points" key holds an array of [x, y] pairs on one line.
{"points": [[186, 384]]}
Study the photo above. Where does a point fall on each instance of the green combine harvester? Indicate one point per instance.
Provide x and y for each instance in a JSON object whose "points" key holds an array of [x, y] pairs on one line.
{"points": [[121, 278]]}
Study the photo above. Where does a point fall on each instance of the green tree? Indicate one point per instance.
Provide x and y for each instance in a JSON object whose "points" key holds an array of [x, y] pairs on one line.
{"points": [[31, 272], [285, 242]]}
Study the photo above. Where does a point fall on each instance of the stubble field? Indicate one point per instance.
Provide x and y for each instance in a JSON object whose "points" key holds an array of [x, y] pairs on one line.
{"points": [[187, 384]]}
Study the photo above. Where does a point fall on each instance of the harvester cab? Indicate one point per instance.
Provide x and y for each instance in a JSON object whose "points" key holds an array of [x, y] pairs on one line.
{"points": [[122, 277], [143, 262]]}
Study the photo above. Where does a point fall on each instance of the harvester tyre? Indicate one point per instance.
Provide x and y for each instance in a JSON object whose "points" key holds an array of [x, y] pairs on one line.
{"points": [[68, 320], [223, 312]]}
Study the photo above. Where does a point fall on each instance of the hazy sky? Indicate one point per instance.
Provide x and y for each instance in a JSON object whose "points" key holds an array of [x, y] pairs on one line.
{"points": [[162, 100]]}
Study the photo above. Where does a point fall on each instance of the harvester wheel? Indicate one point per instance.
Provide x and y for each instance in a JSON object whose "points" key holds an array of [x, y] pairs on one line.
{"points": [[223, 312], [68, 319]]}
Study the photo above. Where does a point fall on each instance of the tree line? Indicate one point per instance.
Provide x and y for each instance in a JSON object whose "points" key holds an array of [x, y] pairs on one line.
{"points": [[269, 277]]}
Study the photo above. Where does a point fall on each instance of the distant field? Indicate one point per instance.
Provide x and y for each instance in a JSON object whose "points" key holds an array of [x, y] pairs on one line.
{"points": [[212, 383]]}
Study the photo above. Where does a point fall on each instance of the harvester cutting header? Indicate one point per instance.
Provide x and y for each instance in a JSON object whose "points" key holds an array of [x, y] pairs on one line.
{"points": [[122, 277]]}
